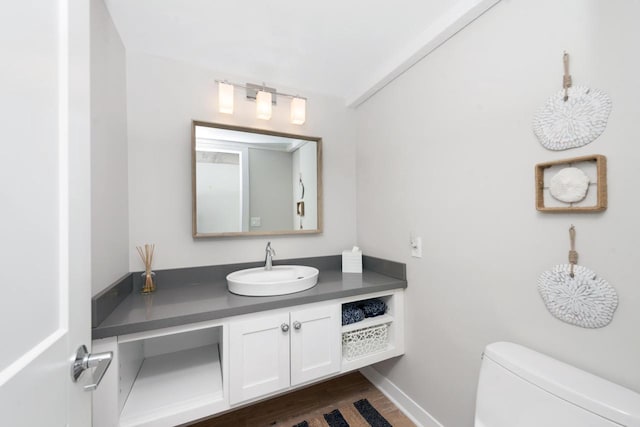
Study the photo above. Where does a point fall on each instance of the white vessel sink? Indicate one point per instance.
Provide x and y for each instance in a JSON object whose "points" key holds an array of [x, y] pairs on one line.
{"points": [[280, 280]]}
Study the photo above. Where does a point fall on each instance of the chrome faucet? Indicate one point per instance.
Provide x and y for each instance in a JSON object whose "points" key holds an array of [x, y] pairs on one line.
{"points": [[268, 257]]}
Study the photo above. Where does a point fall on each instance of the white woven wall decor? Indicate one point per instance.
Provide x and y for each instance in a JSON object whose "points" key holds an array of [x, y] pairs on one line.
{"points": [[582, 300], [570, 185], [563, 124]]}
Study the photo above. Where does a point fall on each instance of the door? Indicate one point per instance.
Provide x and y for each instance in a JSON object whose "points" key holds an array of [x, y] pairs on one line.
{"points": [[45, 215], [259, 356], [315, 343]]}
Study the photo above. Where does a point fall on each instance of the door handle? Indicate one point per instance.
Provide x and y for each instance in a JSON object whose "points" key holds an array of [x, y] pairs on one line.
{"points": [[85, 360], [297, 325]]}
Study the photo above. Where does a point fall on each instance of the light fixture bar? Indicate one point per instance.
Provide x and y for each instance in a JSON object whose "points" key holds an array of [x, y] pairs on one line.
{"points": [[265, 98], [252, 92], [253, 88]]}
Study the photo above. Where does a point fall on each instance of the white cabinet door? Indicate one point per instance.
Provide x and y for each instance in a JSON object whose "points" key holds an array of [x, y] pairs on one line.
{"points": [[45, 219], [271, 352], [259, 356], [315, 343]]}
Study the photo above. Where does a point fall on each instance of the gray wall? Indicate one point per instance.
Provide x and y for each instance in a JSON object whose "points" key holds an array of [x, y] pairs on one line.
{"points": [[447, 152], [109, 186], [305, 163], [270, 189]]}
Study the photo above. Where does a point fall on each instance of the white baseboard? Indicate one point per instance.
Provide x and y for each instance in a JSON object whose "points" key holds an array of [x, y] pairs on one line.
{"points": [[410, 408]]}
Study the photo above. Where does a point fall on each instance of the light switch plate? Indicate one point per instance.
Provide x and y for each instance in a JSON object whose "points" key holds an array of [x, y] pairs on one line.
{"points": [[256, 221]]}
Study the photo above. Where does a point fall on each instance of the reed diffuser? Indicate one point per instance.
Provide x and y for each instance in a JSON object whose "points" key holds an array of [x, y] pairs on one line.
{"points": [[148, 277]]}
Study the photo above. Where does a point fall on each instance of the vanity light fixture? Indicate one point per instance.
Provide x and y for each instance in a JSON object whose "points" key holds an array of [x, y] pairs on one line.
{"points": [[265, 98], [263, 105], [298, 110], [225, 98]]}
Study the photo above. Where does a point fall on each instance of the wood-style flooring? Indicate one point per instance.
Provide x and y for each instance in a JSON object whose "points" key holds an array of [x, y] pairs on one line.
{"points": [[311, 403]]}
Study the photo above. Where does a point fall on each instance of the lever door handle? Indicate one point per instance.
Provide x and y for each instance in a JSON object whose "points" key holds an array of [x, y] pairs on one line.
{"points": [[85, 360]]}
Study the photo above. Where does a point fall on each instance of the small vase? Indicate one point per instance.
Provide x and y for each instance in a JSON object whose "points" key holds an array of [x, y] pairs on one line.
{"points": [[148, 282]]}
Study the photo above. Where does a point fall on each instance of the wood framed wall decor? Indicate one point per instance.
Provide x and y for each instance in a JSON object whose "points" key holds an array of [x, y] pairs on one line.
{"points": [[595, 200]]}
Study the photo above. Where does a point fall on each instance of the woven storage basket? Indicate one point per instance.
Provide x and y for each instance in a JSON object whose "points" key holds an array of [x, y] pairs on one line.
{"points": [[362, 342]]}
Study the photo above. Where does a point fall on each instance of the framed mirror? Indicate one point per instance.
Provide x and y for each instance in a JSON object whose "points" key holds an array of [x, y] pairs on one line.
{"points": [[254, 182]]}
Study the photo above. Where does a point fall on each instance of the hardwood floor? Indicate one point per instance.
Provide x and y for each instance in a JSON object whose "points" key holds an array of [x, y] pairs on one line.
{"points": [[311, 404]]}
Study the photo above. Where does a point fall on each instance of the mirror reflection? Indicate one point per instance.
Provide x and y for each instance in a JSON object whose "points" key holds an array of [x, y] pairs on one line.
{"points": [[254, 182]]}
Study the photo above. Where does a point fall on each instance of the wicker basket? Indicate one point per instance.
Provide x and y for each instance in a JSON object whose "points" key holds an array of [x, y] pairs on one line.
{"points": [[362, 342]]}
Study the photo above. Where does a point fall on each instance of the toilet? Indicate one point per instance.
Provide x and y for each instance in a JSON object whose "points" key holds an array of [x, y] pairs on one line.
{"points": [[519, 387]]}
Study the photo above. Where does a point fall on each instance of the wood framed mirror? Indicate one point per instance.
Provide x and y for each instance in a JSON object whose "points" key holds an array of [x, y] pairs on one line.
{"points": [[252, 182]]}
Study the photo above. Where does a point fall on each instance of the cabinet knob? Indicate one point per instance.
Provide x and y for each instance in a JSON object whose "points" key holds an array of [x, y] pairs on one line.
{"points": [[297, 325], [284, 327]]}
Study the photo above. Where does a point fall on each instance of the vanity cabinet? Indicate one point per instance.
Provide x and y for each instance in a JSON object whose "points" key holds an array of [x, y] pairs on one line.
{"points": [[179, 374], [269, 353]]}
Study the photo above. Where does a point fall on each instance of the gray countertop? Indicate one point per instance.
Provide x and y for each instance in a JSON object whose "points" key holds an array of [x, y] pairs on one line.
{"points": [[199, 302]]}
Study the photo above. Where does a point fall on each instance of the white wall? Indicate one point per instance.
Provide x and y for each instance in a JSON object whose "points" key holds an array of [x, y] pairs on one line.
{"points": [[219, 197], [163, 97], [447, 152], [109, 215]]}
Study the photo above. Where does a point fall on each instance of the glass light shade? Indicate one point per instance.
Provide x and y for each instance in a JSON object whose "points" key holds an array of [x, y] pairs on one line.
{"points": [[263, 105], [225, 98], [298, 111]]}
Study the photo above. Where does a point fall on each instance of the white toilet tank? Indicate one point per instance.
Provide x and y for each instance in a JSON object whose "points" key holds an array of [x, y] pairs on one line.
{"points": [[521, 388]]}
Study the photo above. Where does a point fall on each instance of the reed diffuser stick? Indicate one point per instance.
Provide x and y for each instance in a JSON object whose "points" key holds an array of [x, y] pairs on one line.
{"points": [[146, 255]]}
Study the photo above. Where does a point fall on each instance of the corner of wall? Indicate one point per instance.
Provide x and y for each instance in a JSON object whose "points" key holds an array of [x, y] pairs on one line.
{"points": [[408, 406], [109, 175]]}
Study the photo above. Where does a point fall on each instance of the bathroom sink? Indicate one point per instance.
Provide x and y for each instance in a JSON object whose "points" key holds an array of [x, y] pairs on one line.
{"points": [[280, 280]]}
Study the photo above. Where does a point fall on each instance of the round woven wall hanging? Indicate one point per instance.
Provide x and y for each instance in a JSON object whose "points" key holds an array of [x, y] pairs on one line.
{"points": [[574, 294], [573, 117], [582, 300], [560, 124]]}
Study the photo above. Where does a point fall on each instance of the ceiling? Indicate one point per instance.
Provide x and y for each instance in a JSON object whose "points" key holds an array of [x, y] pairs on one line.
{"points": [[345, 48]]}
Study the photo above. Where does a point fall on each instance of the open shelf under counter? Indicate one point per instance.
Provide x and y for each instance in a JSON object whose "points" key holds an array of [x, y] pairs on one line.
{"points": [[175, 387], [377, 338]]}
